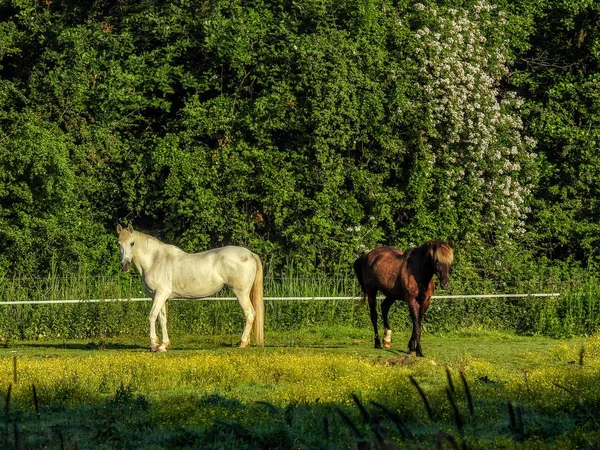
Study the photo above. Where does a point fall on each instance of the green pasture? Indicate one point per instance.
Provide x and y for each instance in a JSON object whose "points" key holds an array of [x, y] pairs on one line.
{"points": [[497, 373], [313, 387]]}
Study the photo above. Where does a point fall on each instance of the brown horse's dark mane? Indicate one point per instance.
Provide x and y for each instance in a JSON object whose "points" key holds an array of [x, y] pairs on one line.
{"points": [[440, 251], [431, 252]]}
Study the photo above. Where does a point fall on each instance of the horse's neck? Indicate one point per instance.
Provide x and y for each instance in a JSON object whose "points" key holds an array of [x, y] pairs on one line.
{"points": [[426, 263]]}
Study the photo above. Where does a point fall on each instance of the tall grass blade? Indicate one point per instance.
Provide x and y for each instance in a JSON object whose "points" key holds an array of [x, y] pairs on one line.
{"points": [[467, 393], [16, 433], [378, 435], [450, 383], [423, 397], [397, 420], [7, 402], [516, 422], [359, 434], [457, 417], [512, 421], [376, 427], [35, 400], [270, 406], [237, 428], [7, 410], [570, 392], [443, 436], [366, 417], [520, 424]]}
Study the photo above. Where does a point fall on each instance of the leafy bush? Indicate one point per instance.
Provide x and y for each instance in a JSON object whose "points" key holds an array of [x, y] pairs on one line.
{"points": [[306, 131]]}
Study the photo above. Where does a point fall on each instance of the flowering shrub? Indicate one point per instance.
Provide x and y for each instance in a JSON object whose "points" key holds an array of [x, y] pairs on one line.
{"points": [[474, 161]]}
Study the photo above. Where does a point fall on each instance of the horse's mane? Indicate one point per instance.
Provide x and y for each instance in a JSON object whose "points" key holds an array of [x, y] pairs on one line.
{"points": [[437, 250], [441, 251], [147, 238]]}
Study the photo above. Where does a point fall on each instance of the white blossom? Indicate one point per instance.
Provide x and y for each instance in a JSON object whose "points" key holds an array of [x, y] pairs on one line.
{"points": [[479, 136]]}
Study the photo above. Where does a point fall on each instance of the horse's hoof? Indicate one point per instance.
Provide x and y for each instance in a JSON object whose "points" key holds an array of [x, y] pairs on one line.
{"points": [[154, 348], [161, 349], [245, 344], [378, 345], [413, 353], [387, 344]]}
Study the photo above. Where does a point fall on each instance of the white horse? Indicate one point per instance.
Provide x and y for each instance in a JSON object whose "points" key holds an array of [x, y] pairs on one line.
{"points": [[169, 272]]}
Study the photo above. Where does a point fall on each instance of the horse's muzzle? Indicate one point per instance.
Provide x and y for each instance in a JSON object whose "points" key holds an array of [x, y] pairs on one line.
{"points": [[445, 284], [125, 265]]}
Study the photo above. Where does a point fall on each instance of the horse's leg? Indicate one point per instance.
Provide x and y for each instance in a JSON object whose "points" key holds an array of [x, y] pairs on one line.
{"points": [[159, 301], [385, 308], [413, 344], [243, 297], [162, 318], [372, 296], [422, 310]]}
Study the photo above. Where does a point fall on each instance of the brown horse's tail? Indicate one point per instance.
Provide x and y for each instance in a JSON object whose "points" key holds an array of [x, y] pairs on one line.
{"points": [[256, 297], [358, 270]]}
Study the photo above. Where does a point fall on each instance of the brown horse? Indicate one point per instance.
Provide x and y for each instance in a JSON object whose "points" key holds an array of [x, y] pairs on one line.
{"points": [[403, 276]]}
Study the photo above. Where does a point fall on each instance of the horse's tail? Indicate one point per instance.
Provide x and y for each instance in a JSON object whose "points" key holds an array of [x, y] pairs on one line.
{"points": [[358, 270], [256, 297]]}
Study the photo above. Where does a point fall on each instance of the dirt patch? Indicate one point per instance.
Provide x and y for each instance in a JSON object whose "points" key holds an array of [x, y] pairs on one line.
{"points": [[395, 360]]}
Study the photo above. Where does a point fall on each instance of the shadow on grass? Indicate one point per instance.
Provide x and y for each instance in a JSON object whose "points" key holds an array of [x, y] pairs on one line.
{"points": [[304, 345], [83, 346]]}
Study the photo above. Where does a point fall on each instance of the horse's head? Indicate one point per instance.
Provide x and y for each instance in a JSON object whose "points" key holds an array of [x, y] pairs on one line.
{"points": [[442, 256], [126, 246]]}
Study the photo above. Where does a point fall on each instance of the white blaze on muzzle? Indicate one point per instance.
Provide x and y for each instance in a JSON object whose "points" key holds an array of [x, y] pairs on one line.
{"points": [[125, 265], [126, 247]]}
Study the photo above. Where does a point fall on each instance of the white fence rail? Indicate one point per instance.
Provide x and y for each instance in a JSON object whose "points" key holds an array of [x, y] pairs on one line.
{"points": [[148, 299]]}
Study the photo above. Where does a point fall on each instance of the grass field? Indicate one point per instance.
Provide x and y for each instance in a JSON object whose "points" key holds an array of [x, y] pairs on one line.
{"points": [[318, 387]]}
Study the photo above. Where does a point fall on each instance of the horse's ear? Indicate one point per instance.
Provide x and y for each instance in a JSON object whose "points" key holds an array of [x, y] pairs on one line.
{"points": [[130, 228], [119, 228]]}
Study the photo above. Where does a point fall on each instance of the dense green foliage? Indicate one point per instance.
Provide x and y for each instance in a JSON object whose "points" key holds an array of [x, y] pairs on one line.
{"points": [[306, 130]]}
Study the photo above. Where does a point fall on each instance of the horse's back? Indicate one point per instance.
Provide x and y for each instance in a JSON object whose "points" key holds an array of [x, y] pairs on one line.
{"points": [[382, 267], [223, 259], [194, 274], [381, 258]]}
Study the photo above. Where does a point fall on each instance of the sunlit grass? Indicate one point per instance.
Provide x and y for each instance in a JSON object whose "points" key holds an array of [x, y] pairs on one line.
{"points": [[294, 389]]}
